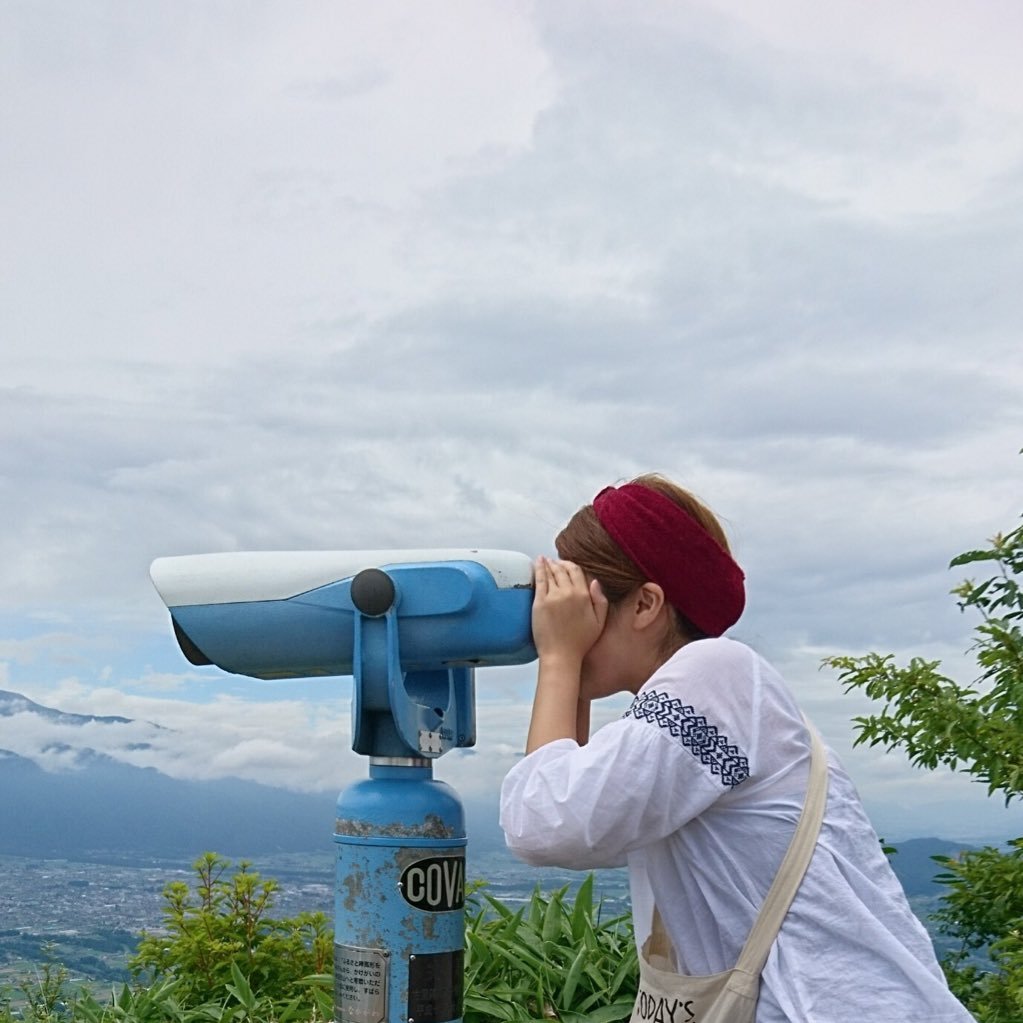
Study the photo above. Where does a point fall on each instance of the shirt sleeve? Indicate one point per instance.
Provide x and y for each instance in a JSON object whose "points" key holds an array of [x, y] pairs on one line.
{"points": [[638, 780]]}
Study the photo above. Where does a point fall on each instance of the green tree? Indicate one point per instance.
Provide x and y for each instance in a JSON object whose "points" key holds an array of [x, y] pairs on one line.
{"points": [[219, 941], [976, 728]]}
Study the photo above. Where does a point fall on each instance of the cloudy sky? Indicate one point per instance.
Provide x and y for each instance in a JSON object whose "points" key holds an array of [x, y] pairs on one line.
{"points": [[336, 275]]}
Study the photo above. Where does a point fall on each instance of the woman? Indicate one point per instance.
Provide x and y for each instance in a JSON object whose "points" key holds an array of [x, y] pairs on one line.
{"points": [[699, 786]]}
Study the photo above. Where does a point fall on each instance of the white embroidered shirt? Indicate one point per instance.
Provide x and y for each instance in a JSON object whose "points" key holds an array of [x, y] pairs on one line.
{"points": [[698, 789]]}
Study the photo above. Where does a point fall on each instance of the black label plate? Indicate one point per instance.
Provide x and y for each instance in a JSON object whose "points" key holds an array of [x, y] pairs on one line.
{"points": [[435, 987]]}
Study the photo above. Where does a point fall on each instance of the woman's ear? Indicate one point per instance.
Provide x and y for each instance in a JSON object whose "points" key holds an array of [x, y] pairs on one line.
{"points": [[647, 605]]}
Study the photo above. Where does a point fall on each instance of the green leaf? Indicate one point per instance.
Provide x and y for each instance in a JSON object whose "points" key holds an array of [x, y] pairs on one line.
{"points": [[240, 989], [572, 979], [553, 919], [582, 910], [617, 1010], [971, 557]]}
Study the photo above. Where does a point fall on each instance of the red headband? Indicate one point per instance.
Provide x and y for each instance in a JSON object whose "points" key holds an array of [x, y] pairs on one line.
{"points": [[672, 549]]}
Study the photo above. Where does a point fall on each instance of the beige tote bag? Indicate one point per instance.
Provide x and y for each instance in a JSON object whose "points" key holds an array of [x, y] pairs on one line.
{"points": [[731, 997]]}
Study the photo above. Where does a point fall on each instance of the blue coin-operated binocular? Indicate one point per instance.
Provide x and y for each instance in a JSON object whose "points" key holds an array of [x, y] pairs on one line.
{"points": [[411, 627]]}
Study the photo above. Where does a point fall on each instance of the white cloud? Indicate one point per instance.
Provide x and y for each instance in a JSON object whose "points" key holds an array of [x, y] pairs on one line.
{"points": [[359, 277], [286, 743], [948, 73], [27, 651]]}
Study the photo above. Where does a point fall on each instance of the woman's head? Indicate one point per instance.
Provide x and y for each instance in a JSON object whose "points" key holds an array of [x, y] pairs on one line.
{"points": [[680, 545]]}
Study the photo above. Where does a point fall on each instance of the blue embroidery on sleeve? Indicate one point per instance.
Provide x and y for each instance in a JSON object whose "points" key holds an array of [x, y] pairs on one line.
{"points": [[713, 750]]}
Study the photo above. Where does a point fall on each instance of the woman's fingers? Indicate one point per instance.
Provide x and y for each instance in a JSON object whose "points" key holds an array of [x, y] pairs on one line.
{"points": [[574, 573], [561, 575], [540, 575], [556, 573]]}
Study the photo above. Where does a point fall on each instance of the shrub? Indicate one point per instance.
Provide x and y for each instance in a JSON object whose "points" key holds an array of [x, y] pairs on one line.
{"points": [[219, 942], [548, 960], [222, 958], [975, 727]]}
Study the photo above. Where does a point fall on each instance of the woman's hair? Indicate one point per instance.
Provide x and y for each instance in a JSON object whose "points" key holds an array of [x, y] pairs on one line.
{"points": [[585, 541]]}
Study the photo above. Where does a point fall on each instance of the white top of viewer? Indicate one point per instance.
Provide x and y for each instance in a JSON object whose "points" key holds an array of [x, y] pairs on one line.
{"points": [[240, 576]]}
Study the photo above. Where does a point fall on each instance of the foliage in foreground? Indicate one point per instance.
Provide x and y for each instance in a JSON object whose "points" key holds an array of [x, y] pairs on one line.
{"points": [[976, 728], [222, 958], [219, 958], [548, 960], [47, 1000], [223, 927]]}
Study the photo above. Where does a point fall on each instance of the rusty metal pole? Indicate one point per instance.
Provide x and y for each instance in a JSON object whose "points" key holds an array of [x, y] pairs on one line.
{"points": [[399, 917]]}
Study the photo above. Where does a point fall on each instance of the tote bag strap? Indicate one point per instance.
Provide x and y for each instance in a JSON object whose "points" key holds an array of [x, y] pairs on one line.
{"points": [[788, 879], [793, 867]]}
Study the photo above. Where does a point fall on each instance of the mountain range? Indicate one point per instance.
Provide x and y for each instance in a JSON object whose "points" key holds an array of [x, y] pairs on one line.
{"points": [[103, 807], [15, 703]]}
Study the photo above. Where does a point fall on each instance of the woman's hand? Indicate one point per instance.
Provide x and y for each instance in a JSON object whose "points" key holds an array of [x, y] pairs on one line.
{"points": [[568, 618], [568, 612]]}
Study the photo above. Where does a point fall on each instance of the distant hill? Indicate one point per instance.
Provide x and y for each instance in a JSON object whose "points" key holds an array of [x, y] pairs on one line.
{"points": [[914, 867], [106, 806], [15, 703], [101, 806]]}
